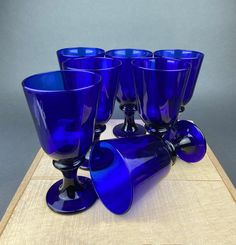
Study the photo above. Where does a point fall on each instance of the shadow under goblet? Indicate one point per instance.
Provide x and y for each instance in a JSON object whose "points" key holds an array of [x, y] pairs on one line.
{"points": [[63, 107]]}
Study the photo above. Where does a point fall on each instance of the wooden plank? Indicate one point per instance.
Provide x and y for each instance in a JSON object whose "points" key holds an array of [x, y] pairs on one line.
{"points": [[20, 190], [170, 212]]}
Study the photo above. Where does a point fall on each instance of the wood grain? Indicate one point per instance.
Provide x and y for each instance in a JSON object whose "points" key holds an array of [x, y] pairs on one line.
{"points": [[192, 205], [20, 190], [172, 212]]}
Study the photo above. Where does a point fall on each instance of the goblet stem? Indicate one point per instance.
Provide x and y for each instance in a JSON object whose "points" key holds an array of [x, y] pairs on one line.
{"points": [[70, 184], [72, 194], [182, 109], [99, 129], [129, 123], [129, 127], [172, 151]]}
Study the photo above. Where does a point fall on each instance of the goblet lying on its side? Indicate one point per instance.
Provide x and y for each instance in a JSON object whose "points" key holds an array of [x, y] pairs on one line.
{"points": [[119, 166]]}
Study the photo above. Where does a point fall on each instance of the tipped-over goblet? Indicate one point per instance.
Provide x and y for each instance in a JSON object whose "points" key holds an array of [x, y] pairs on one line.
{"points": [[108, 69], [126, 92], [195, 58], [73, 53], [63, 106], [119, 166]]}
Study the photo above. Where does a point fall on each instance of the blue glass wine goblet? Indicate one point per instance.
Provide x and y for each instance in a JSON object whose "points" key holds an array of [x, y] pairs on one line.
{"points": [[108, 69], [126, 92], [195, 58], [160, 86], [63, 106], [72, 53], [118, 167]]}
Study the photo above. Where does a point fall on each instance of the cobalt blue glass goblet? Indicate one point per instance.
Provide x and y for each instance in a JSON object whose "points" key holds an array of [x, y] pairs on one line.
{"points": [[108, 69], [63, 107], [160, 84], [126, 92], [73, 53], [119, 166], [195, 58]]}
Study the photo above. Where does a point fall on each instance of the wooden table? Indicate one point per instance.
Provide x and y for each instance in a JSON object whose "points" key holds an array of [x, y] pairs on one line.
{"points": [[194, 204]]}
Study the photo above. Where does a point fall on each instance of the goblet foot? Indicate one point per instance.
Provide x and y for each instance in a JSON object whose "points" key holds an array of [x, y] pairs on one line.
{"points": [[186, 137], [129, 127], [189, 141], [73, 199], [119, 131]]}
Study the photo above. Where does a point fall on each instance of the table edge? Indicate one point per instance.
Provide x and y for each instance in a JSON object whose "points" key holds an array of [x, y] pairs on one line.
{"points": [[230, 186], [10, 209], [20, 190]]}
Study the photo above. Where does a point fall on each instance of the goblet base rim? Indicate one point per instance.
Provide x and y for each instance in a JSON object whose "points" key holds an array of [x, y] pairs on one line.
{"points": [[188, 131], [120, 133], [85, 197]]}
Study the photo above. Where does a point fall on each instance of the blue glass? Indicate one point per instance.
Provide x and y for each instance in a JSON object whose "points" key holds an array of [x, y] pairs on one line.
{"points": [[119, 166], [160, 85], [108, 69], [189, 141], [72, 53], [63, 106], [126, 93], [195, 58]]}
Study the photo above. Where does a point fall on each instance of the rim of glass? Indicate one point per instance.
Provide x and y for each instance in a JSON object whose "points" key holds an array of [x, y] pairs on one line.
{"points": [[188, 65], [97, 80], [198, 53], [124, 49], [93, 69], [131, 197], [59, 51]]}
